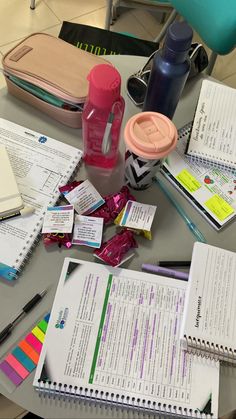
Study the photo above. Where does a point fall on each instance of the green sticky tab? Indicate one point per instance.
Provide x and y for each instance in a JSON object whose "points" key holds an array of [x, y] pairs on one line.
{"points": [[188, 181], [43, 325], [219, 207]]}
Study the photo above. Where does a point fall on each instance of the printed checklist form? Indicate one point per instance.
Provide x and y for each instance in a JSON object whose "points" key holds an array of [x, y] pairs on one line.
{"points": [[120, 336]]}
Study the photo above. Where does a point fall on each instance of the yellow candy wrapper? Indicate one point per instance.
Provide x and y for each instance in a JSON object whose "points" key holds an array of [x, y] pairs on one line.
{"points": [[145, 233]]}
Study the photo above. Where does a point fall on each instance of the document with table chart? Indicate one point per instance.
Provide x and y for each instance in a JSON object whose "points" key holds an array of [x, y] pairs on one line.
{"points": [[114, 331], [40, 164]]}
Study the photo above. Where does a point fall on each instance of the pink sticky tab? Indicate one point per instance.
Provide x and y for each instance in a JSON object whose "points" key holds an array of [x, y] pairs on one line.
{"points": [[34, 342], [12, 361]]}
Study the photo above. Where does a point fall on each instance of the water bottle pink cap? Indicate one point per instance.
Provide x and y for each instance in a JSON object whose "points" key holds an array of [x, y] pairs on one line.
{"points": [[150, 135], [104, 85]]}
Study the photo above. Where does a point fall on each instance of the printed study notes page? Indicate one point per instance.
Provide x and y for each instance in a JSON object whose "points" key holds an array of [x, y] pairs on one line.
{"points": [[40, 165], [209, 320], [117, 332], [210, 190]]}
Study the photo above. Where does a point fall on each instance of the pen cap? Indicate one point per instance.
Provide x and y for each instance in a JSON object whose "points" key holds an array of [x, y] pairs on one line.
{"points": [[104, 85], [150, 135]]}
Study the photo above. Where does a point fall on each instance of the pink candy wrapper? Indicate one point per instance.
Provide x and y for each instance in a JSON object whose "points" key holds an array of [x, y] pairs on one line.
{"points": [[69, 187], [62, 239], [113, 251], [113, 205]]}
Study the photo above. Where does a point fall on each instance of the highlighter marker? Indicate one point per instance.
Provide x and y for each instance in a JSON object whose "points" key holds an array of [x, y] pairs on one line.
{"points": [[171, 273]]}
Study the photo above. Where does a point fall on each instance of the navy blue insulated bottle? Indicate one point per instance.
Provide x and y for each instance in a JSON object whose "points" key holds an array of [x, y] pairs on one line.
{"points": [[170, 69]]}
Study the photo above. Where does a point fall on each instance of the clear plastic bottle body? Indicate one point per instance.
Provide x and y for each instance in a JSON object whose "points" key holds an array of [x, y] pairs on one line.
{"points": [[94, 122]]}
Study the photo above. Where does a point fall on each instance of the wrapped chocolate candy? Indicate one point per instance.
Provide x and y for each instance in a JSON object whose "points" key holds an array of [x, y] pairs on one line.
{"points": [[69, 187], [113, 205], [62, 239], [114, 251], [145, 233]]}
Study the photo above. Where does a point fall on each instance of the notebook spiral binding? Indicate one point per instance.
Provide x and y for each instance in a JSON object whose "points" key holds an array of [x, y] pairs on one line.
{"points": [[34, 237], [222, 164], [102, 398], [210, 350], [185, 130]]}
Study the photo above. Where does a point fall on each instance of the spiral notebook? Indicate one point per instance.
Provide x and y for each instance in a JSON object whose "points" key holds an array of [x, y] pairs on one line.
{"points": [[212, 140], [40, 164], [209, 319], [113, 337], [210, 190]]}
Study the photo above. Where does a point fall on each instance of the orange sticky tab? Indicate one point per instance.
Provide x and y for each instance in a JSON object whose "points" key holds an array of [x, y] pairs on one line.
{"points": [[28, 350]]}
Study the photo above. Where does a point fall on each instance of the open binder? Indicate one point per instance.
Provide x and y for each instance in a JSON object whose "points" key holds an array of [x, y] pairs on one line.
{"points": [[40, 164], [113, 339]]}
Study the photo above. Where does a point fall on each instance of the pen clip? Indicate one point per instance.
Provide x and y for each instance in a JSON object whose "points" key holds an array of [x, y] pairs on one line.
{"points": [[107, 140]]}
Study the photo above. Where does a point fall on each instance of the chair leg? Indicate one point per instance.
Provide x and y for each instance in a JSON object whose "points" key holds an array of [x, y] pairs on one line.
{"points": [[163, 18], [211, 63], [108, 14], [32, 4], [162, 33]]}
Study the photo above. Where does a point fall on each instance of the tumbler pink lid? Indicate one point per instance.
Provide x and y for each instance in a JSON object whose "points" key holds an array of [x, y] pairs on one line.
{"points": [[150, 135], [104, 85]]}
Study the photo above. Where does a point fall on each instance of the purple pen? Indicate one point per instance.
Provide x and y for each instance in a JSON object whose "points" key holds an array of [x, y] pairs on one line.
{"points": [[165, 271]]}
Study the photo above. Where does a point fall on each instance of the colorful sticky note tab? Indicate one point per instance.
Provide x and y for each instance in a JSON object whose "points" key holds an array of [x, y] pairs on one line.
{"points": [[43, 325], [37, 332], [34, 342], [220, 208], [17, 366], [10, 373], [188, 181], [47, 317], [32, 354], [23, 359]]}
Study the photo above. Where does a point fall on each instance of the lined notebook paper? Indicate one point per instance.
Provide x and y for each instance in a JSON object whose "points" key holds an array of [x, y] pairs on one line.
{"points": [[116, 334], [213, 137], [209, 321]]}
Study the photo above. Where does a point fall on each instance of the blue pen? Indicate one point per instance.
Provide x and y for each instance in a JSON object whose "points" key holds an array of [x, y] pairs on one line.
{"points": [[192, 227]]}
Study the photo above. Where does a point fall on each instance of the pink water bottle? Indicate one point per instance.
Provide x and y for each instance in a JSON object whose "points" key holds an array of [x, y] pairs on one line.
{"points": [[102, 116]]}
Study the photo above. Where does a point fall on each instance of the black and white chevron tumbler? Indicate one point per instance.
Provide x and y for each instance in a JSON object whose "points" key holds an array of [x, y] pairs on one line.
{"points": [[149, 138]]}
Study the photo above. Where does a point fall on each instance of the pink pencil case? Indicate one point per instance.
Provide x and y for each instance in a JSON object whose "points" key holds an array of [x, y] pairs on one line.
{"points": [[51, 75]]}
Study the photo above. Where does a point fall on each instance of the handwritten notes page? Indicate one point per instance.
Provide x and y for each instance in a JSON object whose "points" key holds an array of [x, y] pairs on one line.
{"points": [[214, 128], [210, 310], [121, 336]]}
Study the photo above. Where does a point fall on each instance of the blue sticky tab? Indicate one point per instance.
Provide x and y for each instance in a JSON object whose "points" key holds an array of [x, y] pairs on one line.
{"points": [[47, 317], [23, 359], [7, 272]]}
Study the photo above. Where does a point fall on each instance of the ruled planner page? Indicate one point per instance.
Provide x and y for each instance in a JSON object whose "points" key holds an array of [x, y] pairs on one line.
{"points": [[213, 134], [210, 310]]}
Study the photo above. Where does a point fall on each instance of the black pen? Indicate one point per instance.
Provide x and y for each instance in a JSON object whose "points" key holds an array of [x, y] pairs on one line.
{"points": [[166, 263], [25, 310]]}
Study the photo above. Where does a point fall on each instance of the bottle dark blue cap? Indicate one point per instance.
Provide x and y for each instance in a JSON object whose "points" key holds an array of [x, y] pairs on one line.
{"points": [[179, 37]]}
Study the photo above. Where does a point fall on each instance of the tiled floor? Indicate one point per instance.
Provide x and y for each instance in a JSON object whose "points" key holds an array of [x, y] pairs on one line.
{"points": [[17, 20]]}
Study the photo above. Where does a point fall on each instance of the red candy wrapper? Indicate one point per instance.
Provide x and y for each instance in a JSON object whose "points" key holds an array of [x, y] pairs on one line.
{"points": [[113, 251], [62, 239], [69, 187], [113, 205]]}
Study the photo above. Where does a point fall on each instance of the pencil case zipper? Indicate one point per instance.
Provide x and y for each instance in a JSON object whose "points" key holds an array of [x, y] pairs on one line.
{"points": [[43, 84], [51, 99]]}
